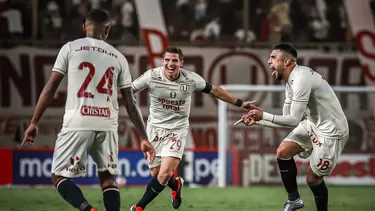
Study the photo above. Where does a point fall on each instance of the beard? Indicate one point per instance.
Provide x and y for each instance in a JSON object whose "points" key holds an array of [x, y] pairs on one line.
{"points": [[279, 76]]}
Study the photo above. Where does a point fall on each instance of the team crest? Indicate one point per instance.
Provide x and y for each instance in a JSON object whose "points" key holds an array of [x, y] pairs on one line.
{"points": [[173, 94], [185, 88]]}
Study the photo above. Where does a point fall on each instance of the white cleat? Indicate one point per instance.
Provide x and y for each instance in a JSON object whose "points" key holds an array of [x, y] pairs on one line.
{"points": [[293, 205]]}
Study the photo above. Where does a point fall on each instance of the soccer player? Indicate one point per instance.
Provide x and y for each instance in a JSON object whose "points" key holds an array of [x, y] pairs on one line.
{"points": [[94, 70], [321, 135], [170, 88]]}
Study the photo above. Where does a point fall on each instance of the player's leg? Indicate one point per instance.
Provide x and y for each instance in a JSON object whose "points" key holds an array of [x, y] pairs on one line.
{"points": [[170, 146], [288, 168], [159, 182], [69, 161], [175, 148], [155, 136], [175, 184], [297, 142], [319, 189], [323, 160], [104, 152]]}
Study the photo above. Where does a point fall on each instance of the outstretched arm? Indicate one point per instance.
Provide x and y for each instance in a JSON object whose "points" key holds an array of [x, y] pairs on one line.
{"points": [[297, 110], [286, 111], [225, 96]]}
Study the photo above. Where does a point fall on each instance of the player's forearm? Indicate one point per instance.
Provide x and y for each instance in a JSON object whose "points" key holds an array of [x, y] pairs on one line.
{"points": [[133, 110], [282, 120], [297, 110], [224, 95], [44, 100], [135, 116], [264, 123]]}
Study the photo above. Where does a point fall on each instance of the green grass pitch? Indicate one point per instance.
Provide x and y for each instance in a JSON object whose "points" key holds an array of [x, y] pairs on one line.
{"points": [[341, 198]]}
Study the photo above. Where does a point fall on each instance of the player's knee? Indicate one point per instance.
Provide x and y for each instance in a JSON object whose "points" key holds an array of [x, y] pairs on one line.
{"points": [[56, 179], [106, 179], [313, 179], [155, 171], [163, 177], [282, 152]]}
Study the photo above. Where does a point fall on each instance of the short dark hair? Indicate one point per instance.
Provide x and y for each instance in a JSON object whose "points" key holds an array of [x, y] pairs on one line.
{"points": [[174, 49], [98, 16], [287, 49]]}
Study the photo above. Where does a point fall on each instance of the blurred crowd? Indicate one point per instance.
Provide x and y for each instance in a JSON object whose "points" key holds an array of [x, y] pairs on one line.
{"points": [[187, 20]]}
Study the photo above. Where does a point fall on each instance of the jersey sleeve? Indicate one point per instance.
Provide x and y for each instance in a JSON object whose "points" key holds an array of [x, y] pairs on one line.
{"points": [[142, 82], [200, 83], [62, 64], [301, 89], [125, 78], [287, 102]]}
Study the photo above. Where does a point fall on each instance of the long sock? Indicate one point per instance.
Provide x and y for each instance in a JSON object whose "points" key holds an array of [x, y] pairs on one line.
{"points": [[153, 189], [173, 184], [288, 171], [72, 194], [111, 198], [321, 196]]}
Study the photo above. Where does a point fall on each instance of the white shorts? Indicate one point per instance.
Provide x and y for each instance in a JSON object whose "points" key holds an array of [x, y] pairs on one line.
{"points": [[324, 152], [167, 143], [72, 148]]}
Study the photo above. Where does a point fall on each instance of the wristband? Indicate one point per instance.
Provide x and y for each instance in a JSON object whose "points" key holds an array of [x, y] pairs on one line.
{"points": [[239, 103], [268, 117]]}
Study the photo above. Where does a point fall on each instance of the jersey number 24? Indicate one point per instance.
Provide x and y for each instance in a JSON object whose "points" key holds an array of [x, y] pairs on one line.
{"points": [[108, 76]]}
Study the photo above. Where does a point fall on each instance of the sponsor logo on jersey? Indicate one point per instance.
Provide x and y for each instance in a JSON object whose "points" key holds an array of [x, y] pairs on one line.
{"points": [[76, 166], [95, 111], [96, 49]]}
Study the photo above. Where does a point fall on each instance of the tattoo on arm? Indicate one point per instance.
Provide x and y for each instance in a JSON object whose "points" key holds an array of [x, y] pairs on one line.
{"points": [[133, 110]]}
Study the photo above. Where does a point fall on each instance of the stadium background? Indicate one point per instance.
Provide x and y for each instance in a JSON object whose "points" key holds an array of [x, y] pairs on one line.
{"points": [[227, 42]]}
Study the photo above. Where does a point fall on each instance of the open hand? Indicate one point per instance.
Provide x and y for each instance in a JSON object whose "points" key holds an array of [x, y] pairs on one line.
{"points": [[248, 105]]}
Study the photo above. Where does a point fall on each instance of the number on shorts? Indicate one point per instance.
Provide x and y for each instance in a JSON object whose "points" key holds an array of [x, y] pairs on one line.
{"points": [[323, 164], [177, 143], [108, 76]]}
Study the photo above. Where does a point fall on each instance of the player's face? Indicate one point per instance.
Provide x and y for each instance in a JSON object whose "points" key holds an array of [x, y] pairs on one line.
{"points": [[172, 64], [277, 64]]}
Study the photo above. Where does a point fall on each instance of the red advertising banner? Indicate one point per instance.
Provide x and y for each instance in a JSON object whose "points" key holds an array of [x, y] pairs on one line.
{"points": [[6, 157]]}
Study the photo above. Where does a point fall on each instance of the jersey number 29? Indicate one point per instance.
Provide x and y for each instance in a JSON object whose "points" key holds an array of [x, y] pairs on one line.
{"points": [[108, 76]]}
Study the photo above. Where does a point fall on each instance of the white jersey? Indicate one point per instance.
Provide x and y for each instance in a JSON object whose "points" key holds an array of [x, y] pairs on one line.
{"points": [[95, 70], [169, 100], [326, 114]]}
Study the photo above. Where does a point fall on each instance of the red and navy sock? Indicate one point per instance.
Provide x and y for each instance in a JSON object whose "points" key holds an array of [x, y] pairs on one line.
{"points": [[111, 198], [72, 194]]}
